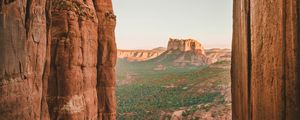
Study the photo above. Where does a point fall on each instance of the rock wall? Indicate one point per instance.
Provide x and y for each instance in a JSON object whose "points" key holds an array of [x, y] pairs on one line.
{"points": [[58, 60], [265, 60], [184, 45], [72, 90], [23, 46]]}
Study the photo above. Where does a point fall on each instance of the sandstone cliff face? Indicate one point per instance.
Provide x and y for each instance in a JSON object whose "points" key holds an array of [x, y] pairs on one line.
{"points": [[139, 55], [23, 46], [265, 61], [71, 92], [107, 56], [58, 60]]}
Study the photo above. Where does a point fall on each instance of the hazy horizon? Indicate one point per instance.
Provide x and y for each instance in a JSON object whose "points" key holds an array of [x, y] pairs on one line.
{"points": [[150, 24]]}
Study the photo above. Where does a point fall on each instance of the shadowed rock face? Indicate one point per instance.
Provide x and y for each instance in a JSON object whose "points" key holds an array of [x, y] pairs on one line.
{"points": [[265, 60], [58, 60]]}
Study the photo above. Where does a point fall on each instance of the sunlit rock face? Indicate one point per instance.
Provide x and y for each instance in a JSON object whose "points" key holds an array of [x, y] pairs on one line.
{"points": [[185, 45], [58, 60]]}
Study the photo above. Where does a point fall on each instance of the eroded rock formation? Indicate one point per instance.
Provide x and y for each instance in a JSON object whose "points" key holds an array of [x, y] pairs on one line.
{"points": [[107, 56], [265, 60], [72, 90], [58, 60], [183, 52], [185, 45]]}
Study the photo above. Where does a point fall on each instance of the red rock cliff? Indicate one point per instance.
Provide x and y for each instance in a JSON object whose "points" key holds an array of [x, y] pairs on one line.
{"points": [[23, 50], [58, 60]]}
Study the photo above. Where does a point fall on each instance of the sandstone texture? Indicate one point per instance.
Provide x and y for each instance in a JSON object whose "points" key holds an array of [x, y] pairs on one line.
{"points": [[23, 46], [58, 60], [265, 60]]}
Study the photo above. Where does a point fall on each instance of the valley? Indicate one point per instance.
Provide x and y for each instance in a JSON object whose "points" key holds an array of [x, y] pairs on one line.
{"points": [[159, 88]]}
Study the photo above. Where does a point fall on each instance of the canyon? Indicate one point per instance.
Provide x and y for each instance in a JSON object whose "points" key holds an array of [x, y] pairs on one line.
{"points": [[58, 60]]}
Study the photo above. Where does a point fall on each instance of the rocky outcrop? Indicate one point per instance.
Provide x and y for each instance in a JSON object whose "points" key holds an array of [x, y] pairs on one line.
{"points": [[265, 60], [139, 55], [185, 45], [58, 60], [183, 52]]}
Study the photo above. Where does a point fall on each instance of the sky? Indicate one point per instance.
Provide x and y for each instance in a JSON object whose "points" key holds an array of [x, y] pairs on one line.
{"points": [[147, 24]]}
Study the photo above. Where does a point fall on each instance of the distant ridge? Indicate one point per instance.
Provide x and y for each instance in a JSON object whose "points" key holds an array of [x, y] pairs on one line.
{"points": [[179, 52], [140, 55]]}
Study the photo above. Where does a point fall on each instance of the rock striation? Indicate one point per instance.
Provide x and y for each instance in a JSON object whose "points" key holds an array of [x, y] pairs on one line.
{"points": [[139, 55], [23, 50], [58, 61]]}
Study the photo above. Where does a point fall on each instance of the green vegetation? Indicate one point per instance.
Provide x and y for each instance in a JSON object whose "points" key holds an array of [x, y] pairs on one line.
{"points": [[154, 91]]}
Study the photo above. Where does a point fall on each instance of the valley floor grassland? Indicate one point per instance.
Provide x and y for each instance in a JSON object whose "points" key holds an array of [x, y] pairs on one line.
{"points": [[144, 93]]}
